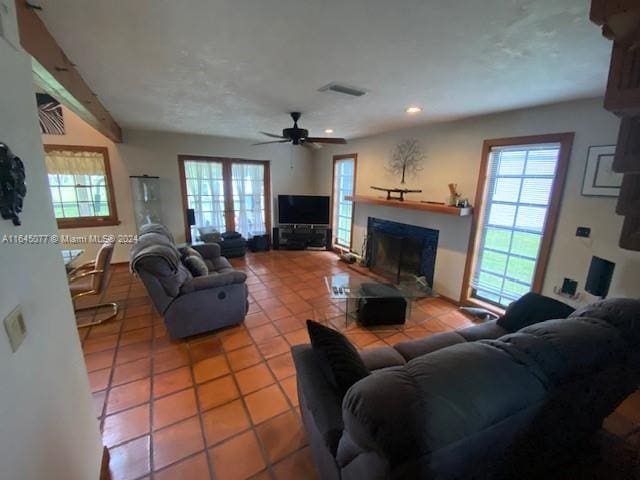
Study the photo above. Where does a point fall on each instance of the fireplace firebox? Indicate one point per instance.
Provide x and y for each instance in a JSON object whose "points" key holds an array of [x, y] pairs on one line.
{"points": [[400, 252]]}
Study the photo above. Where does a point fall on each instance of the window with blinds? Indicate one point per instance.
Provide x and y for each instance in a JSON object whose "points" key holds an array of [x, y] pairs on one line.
{"points": [[80, 186], [519, 184], [344, 174]]}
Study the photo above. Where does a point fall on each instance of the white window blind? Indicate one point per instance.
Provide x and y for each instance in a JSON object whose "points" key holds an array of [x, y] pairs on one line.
{"points": [[344, 176], [519, 184]]}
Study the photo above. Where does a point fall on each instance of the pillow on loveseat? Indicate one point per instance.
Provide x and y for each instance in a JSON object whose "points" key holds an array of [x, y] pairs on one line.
{"points": [[532, 308], [194, 262], [196, 265], [343, 363]]}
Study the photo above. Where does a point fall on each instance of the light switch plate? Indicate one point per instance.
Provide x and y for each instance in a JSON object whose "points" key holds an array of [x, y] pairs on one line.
{"points": [[15, 328]]}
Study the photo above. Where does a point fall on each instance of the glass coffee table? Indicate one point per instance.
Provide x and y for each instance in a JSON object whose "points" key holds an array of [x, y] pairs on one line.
{"points": [[350, 289]]}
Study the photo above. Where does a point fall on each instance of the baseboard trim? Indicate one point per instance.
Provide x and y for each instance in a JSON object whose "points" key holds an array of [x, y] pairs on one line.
{"points": [[104, 465], [450, 300]]}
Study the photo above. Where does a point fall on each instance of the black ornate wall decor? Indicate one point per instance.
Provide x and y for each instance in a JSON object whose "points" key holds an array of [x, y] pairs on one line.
{"points": [[12, 185]]}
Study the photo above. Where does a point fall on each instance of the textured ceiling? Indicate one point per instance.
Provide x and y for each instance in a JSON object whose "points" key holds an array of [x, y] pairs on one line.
{"points": [[233, 68]]}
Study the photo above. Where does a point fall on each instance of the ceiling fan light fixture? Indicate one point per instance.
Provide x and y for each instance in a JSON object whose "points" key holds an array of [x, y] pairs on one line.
{"points": [[413, 110], [300, 136]]}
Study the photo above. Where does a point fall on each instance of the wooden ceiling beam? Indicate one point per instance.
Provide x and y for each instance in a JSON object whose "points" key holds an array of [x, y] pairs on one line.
{"points": [[619, 20], [55, 74]]}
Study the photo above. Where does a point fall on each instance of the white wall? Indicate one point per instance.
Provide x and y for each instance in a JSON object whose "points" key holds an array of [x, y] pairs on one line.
{"points": [[453, 155], [156, 153], [48, 427]]}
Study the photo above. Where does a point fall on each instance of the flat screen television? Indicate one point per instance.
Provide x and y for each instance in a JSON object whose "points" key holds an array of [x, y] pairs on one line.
{"points": [[303, 209]]}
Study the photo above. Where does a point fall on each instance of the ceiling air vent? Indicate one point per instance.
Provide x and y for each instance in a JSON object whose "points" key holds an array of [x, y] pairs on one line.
{"points": [[343, 89]]}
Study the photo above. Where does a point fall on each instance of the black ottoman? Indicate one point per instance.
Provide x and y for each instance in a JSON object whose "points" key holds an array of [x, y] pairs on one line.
{"points": [[232, 245], [383, 305], [258, 243]]}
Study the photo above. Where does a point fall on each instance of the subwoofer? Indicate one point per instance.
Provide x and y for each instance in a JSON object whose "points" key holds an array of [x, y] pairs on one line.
{"points": [[599, 277]]}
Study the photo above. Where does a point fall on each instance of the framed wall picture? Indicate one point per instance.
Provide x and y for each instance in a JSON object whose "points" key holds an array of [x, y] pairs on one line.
{"points": [[599, 178], [50, 115]]}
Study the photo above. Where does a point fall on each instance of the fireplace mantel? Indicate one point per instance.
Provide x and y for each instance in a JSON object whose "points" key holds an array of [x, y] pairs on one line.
{"points": [[412, 205]]}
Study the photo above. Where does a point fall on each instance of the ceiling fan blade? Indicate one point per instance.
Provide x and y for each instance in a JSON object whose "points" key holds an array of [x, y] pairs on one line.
{"points": [[341, 141], [272, 135], [274, 141], [311, 145]]}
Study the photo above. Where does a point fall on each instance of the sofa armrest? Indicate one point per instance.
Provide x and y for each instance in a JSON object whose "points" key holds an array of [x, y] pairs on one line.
{"points": [[209, 251], [213, 281]]}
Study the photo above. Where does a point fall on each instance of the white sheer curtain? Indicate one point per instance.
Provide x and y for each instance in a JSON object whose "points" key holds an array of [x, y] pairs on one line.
{"points": [[205, 193], [248, 197]]}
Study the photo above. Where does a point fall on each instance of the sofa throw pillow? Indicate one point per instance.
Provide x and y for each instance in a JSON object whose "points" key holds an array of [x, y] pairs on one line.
{"points": [[196, 265], [189, 252], [344, 365], [532, 308]]}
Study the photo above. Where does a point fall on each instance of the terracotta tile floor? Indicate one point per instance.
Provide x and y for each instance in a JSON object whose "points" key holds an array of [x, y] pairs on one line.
{"points": [[224, 405]]}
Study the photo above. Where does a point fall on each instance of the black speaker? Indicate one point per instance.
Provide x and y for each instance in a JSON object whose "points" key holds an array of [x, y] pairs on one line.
{"points": [[275, 239], [328, 243], [191, 216], [599, 277]]}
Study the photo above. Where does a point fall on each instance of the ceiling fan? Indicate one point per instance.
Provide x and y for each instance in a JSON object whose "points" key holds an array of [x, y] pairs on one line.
{"points": [[299, 136]]}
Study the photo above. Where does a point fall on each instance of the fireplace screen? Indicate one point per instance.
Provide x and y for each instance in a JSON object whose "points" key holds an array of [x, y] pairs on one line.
{"points": [[396, 258], [399, 252]]}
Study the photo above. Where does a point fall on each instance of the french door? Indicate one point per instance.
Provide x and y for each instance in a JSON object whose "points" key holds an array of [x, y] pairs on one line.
{"points": [[227, 194]]}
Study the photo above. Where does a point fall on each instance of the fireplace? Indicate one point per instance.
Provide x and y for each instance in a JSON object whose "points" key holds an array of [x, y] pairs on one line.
{"points": [[400, 252]]}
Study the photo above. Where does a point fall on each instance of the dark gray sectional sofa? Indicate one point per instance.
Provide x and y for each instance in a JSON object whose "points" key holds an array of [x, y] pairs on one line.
{"points": [[478, 403]]}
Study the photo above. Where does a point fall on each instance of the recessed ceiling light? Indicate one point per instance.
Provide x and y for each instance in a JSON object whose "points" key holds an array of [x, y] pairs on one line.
{"points": [[328, 130], [413, 110]]}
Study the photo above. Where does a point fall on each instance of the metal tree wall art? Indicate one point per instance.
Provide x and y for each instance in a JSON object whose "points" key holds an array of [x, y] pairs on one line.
{"points": [[406, 160]]}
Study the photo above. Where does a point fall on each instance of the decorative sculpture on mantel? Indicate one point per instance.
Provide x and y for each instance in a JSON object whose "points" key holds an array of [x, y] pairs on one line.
{"points": [[12, 185], [406, 159], [400, 191]]}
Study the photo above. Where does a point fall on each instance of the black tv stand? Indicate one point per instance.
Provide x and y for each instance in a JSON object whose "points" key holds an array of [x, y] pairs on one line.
{"points": [[302, 237]]}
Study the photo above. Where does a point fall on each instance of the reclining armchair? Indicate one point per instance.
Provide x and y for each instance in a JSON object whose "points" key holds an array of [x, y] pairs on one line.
{"points": [[190, 304]]}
